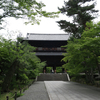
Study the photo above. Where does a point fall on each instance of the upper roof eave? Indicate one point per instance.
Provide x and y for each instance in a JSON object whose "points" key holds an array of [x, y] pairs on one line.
{"points": [[47, 37]]}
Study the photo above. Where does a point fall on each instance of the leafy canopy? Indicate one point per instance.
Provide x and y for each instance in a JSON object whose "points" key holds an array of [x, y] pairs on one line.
{"points": [[84, 54], [81, 11], [28, 9]]}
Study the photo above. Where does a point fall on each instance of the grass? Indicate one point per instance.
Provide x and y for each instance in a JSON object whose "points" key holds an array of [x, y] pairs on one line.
{"points": [[11, 94], [4, 95]]}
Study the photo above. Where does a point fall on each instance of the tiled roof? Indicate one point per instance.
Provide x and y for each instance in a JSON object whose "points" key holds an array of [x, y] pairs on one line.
{"points": [[36, 36]]}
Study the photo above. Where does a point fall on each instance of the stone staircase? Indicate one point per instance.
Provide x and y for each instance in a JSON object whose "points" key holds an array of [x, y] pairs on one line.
{"points": [[52, 77]]}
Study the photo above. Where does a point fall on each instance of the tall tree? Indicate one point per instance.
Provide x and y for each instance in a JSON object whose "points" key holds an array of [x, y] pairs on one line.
{"points": [[83, 55], [29, 9], [17, 61], [81, 12]]}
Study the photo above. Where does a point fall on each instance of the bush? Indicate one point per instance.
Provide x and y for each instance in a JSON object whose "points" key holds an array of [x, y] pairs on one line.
{"points": [[59, 69], [19, 94], [48, 69], [23, 78]]}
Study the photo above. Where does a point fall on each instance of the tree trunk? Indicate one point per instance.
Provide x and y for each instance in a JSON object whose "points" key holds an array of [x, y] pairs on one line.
{"points": [[92, 76], [87, 76], [9, 75], [98, 66]]}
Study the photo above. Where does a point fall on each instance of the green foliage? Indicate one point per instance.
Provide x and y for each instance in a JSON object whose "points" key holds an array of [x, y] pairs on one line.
{"points": [[58, 69], [18, 62], [19, 94], [48, 69], [81, 12], [83, 55], [28, 9], [23, 78]]}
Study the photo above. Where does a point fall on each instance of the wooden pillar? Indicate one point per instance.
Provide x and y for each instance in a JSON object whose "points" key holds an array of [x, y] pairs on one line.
{"points": [[44, 70], [54, 68], [63, 70]]}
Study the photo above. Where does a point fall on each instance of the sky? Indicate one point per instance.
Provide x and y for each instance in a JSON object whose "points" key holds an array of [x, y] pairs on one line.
{"points": [[47, 25]]}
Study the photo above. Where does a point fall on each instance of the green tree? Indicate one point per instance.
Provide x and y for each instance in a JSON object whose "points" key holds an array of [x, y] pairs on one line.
{"points": [[81, 12], [29, 9], [91, 36], [18, 62], [83, 55]]}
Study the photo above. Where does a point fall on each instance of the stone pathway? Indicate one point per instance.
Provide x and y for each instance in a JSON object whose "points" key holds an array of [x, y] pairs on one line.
{"points": [[37, 91], [60, 90]]}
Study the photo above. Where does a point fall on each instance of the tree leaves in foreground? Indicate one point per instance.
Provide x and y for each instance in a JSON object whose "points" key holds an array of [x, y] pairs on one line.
{"points": [[83, 55], [27, 9], [18, 63]]}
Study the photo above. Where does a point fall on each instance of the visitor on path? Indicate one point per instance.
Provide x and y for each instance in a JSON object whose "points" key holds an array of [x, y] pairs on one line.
{"points": [[44, 71], [52, 71], [55, 71]]}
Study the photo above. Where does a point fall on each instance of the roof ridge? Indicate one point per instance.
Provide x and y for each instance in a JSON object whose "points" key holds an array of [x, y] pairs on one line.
{"points": [[47, 34]]}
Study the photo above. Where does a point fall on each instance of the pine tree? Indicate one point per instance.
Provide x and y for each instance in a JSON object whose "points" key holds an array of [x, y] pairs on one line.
{"points": [[81, 12]]}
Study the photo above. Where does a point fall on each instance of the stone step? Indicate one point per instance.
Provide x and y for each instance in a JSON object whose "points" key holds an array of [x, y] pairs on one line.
{"points": [[52, 77]]}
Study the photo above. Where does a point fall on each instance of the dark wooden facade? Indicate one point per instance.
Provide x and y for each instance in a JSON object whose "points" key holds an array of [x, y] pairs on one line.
{"points": [[49, 47]]}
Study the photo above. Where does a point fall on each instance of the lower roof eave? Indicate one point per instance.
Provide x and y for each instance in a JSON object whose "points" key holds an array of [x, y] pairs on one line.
{"points": [[49, 53]]}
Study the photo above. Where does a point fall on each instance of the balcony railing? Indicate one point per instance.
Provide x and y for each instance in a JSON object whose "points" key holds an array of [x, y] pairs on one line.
{"points": [[50, 49]]}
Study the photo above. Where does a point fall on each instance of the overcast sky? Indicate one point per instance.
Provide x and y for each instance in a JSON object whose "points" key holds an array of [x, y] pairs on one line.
{"points": [[47, 25]]}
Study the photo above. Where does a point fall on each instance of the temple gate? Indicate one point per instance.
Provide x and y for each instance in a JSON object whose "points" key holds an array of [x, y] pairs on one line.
{"points": [[49, 48]]}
